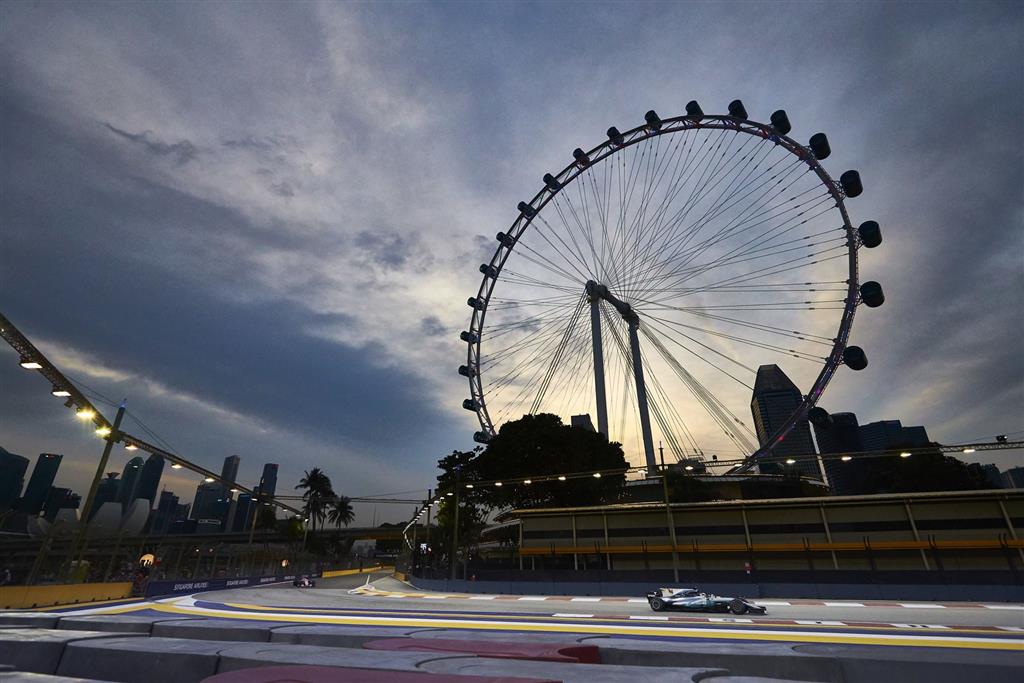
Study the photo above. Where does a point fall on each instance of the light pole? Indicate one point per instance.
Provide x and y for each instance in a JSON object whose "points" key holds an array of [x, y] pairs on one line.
{"points": [[83, 534], [455, 526], [669, 516]]}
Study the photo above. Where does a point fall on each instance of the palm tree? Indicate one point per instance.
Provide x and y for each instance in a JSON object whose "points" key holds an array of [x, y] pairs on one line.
{"points": [[341, 512], [317, 487]]}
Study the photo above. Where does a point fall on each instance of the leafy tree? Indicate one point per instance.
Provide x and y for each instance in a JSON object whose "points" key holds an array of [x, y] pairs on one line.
{"points": [[266, 519], [931, 470], [317, 491], [539, 445], [340, 511]]}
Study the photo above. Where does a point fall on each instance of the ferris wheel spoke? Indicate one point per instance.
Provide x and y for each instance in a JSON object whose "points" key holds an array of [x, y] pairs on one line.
{"points": [[683, 254], [742, 340], [657, 232], [764, 183], [716, 409], [765, 240]]}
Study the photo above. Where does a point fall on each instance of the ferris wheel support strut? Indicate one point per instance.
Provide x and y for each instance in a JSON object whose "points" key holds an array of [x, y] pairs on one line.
{"points": [[597, 292]]}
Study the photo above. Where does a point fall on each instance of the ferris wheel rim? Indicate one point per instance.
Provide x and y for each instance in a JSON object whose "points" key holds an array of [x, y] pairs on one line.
{"points": [[611, 147]]}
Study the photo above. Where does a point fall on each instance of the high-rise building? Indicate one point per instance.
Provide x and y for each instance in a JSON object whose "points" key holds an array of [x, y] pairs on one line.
{"points": [[105, 493], [229, 473], [268, 482], [149, 479], [992, 476], [242, 519], [12, 478], [212, 501], [164, 516], [39, 483], [887, 435], [1013, 478], [129, 481], [840, 435], [775, 399], [583, 422], [60, 499]]}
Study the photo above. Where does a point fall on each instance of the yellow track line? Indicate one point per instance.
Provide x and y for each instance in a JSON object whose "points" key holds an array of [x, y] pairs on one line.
{"points": [[610, 617], [624, 630]]}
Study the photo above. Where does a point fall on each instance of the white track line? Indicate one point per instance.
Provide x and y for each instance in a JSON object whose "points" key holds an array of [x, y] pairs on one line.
{"points": [[809, 622], [921, 605], [482, 597], [919, 626], [844, 604], [570, 615], [730, 620], [1017, 629], [585, 600], [646, 618], [532, 599], [771, 603], [1018, 607], [637, 600]]}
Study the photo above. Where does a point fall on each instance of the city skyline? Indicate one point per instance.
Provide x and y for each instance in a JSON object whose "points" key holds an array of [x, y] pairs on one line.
{"points": [[205, 273]]}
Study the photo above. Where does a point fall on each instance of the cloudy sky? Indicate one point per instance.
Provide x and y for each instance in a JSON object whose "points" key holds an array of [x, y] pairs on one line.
{"points": [[260, 223]]}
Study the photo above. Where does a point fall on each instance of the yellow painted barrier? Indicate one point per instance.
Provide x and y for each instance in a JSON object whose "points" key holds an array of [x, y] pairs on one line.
{"points": [[28, 597], [350, 572]]}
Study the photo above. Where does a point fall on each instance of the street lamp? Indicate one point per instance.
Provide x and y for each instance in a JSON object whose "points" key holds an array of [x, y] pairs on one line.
{"points": [[688, 468], [597, 475], [60, 393], [561, 478], [85, 414], [208, 480], [103, 432], [846, 458], [30, 364], [968, 450], [905, 454], [790, 461], [176, 465], [527, 481], [131, 447], [497, 483]]}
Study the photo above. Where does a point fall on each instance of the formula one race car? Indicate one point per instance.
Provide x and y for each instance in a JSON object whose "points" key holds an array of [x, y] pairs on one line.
{"points": [[692, 600], [304, 582]]}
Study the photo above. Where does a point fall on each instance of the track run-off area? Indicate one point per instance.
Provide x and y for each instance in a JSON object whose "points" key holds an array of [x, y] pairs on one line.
{"points": [[381, 601]]}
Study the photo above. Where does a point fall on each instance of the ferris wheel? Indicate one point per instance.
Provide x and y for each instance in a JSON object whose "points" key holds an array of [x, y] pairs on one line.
{"points": [[648, 280]]}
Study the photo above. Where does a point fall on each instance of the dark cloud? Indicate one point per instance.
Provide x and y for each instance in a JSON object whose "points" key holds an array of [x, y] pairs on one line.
{"points": [[433, 327], [181, 151]]}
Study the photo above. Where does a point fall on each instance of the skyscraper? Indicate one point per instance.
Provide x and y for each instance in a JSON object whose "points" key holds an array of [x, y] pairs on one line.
{"points": [[149, 479], [12, 477], [887, 435], [165, 513], [229, 473], [841, 435], [129, 481], [211, 502], [775, 399], [39, 484], [1013, 478], [242, 519], [268, 482]]}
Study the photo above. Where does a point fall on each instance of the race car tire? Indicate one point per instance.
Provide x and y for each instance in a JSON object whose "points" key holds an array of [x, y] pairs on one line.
{"points": [[738, 607], [657, 604]]}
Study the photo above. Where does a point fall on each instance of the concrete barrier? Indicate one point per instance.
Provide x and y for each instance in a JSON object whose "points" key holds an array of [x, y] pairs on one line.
{"points": [[40, 650], [271, 654], [128, 659], [31, 597], [349, 572], [29, 619], [156, 589], [114, 623], [330, 635], [568, 673], [25, 677], [233, 630]]}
